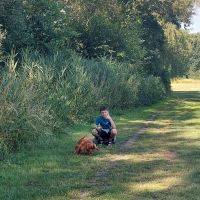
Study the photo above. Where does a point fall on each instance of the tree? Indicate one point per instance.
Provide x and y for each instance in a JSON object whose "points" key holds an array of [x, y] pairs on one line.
{"points": [[106, 28], [194, 62], [177, 50], [38, 24]]}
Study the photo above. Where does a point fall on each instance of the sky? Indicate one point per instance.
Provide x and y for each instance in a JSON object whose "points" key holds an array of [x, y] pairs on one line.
{"points": [[195, 26]]}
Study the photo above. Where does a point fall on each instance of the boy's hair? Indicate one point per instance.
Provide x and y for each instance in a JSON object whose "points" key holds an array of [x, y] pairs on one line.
{"points": [[102, 108]]}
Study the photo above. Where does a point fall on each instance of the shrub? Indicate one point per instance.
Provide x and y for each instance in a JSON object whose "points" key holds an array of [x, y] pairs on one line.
{"points": [[151, 90], [23, 112]]}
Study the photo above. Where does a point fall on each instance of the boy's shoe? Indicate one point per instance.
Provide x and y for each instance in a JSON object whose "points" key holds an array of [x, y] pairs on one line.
{"points": [[109, 143], [114, 140]]}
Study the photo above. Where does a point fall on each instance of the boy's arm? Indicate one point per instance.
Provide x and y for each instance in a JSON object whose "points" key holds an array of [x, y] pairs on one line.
{"points": [[98, 126], [112, 123]]}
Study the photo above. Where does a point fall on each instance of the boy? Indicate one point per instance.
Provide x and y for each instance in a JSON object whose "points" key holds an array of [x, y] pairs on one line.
{"points": [[106, 128]]}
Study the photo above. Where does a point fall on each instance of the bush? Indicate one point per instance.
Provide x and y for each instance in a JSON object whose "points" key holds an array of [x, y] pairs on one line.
{"points": [[23, 112], [151, 90]]}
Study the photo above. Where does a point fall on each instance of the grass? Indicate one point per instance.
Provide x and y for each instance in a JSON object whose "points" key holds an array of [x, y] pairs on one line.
{"points": [[164, 162]]}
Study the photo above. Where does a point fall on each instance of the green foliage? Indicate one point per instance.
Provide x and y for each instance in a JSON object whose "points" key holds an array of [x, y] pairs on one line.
{"points": [[2, 38], [107, 28], [23, 111], [168, 48], [171, 11], [183, 10], [177, 50], [194, 62], [48, 92], [37, 24], [149, 85]]}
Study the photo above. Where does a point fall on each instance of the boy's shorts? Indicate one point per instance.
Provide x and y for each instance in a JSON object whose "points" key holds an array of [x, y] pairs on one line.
{"points": [[105, 133]]}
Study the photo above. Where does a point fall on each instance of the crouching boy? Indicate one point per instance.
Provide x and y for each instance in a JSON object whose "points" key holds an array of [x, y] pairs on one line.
{"points": [[106, 131]]}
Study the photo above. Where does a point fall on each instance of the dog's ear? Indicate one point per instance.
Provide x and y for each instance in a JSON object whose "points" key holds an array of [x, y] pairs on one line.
{"points": [[81, 139]]}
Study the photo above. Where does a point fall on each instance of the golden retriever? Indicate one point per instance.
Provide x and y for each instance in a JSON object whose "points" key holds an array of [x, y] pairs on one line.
{"points": [[85, 146]]}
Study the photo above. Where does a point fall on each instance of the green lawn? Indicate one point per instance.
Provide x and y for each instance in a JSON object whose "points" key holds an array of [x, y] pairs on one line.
{"points": [[163, 163]]}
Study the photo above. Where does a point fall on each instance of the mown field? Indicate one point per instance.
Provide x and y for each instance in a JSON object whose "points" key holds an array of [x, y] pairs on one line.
{"points": [[161, 162]]}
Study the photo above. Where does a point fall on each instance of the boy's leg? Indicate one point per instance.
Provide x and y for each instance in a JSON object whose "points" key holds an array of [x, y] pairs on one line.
{"points": [[96, 134], [112, 135]]}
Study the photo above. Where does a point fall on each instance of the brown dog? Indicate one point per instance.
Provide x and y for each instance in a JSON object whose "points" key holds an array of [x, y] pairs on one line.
{"points": [[85, 146]]}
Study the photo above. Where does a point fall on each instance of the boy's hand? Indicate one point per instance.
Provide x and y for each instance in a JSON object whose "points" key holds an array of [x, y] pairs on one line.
{"points": [[108, 116]]}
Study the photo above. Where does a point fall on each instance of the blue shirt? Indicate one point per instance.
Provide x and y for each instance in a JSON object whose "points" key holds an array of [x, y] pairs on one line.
{"points": [[104, 123]]}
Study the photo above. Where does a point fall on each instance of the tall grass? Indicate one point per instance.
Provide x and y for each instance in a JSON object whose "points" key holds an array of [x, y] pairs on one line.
{"points": [[41, 93]]}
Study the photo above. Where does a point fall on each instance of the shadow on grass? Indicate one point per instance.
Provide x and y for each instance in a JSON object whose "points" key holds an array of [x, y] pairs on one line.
{"points": [[187, 95]]}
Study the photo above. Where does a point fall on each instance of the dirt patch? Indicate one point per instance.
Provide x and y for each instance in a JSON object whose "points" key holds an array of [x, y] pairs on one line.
{"points": [[131, 140], [169, 155]]}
